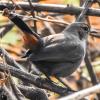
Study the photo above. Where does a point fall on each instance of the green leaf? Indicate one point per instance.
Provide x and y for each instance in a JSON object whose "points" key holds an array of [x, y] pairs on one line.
{"points": [[11, 37]]}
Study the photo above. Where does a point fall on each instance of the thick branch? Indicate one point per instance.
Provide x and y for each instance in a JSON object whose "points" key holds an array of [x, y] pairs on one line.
{"points": [[33, 93], [51, 8], [36, 80]]}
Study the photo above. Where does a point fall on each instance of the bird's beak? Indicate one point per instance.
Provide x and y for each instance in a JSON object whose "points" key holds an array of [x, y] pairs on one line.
{"points": [[93, 31]]}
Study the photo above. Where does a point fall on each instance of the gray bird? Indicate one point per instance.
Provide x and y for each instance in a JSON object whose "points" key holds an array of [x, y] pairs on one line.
{"points": [[58, 54], [62, 53]]}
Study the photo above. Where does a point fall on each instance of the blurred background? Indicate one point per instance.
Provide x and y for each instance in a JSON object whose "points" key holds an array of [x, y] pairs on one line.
{"points": [[12, 41]]}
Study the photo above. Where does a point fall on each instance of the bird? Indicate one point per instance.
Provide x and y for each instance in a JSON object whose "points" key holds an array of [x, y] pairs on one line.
{"points": [[59, 54], [62, 53]]}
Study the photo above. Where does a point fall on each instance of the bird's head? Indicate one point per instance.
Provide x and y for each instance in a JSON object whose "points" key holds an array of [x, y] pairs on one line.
{"points": [[79, 29]]}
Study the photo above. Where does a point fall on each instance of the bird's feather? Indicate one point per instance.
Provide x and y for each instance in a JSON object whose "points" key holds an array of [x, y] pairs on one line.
{"points": [[57, 48]]}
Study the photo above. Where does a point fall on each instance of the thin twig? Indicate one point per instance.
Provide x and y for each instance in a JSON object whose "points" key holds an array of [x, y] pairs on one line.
{"points": [[83, 93], [86, 6], [16, 91], [5, 30], [9, 60], [48, 26], [90, 69], [33, 14], [10, 95]]}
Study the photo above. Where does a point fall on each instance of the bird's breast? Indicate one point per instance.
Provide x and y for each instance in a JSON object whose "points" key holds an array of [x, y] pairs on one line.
{"points": [[58, 48], [75, 50]]}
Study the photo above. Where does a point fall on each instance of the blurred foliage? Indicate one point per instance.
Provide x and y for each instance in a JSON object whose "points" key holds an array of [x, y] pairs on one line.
{"points": [[11, 37], [72, 2]]}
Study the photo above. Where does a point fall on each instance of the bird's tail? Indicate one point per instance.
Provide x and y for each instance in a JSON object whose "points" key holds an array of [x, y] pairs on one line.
{"points": [[31, 38]]}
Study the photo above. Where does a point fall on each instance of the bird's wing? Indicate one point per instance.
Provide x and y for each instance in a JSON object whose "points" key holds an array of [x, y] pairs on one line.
{"points": [[57, 48]]}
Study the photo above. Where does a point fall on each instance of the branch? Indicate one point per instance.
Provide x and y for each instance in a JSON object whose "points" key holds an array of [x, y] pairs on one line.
{"points": [[91, 72], [32, 93], [9, 93], [16, 91], [33, 14], [9, 60], [26, 20], [90, 69], [36, 80], [86, 6], [97, 35], [50, 8], [5, 30], [83, 93]]}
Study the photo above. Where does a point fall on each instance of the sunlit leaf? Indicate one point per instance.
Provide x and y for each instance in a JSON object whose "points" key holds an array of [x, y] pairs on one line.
{"points": [[10, 37], [72, 2]]}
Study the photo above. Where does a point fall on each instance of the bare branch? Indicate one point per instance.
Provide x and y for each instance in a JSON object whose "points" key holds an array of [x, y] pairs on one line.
{"points": [[32, 93], [83, 93], [51, 8], [36, 80]]}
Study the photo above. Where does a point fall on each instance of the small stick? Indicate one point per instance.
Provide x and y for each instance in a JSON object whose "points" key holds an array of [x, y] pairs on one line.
{"points": [[83, 93]]}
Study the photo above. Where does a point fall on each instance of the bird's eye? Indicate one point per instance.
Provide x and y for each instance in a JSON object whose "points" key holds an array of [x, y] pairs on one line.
{"points": [[85, 28]]}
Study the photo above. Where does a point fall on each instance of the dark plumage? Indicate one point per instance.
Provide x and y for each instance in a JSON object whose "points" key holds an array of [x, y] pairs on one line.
{"points": [[58, 54], [62, 53]]}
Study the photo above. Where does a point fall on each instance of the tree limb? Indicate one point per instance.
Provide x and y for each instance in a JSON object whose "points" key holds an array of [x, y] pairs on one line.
{"points": [[51, 8], [36, 80]]}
